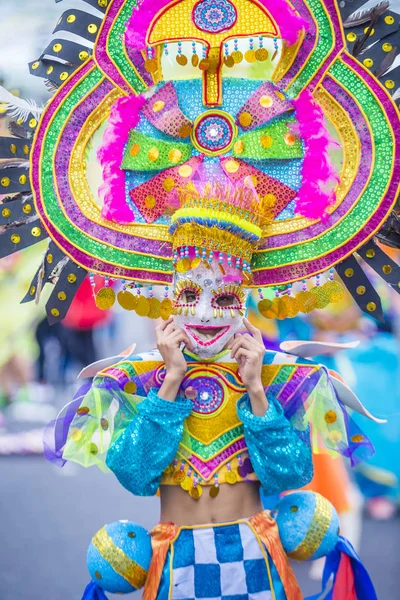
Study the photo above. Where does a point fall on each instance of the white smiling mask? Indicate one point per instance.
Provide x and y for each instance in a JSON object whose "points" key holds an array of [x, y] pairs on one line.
{"points": [[210, 307]]}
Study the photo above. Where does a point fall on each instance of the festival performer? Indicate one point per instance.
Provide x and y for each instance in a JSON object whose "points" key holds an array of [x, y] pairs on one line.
{"points": [[238, 145]]}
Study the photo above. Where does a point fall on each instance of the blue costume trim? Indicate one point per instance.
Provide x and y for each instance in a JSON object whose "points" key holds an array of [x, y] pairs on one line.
{"points": [[274, 446], [149, 444]]}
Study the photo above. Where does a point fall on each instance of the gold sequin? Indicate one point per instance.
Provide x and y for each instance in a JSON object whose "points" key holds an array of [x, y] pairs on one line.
{"points": [[316, 531], [158, 106], [231, 166], [168, 184], [15, 238], [130, 387], [231, 477], [6, 212], [361, 289], [387, 269], [196, 492], [62, 296], [127, 300], [143, 306], [186, 484], [330, 416], [266, 141], [185, 130], [27, 209], [150, 201], [371, 306], [245, 119], [351, 37], [153, 154], [154, 312], [55, 312], [290, 139], [174, 155], [349, 272], [250, 56], [261, 54], [71, 278], [165, 309], [135, 149], [105, 298], [357, 438], [237, 56], [185, 171], [239, 147], [266, 101]]}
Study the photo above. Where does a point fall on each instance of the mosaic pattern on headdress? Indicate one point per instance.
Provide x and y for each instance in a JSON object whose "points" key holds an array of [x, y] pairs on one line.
{"points": [[163, 112]]}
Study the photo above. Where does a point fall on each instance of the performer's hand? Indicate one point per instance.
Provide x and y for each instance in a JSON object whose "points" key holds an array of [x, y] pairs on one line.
{"points": [[169, 340], [249, 350]]}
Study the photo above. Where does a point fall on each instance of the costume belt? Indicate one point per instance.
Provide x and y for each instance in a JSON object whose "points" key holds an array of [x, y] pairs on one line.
{"points": [[265, 527]]}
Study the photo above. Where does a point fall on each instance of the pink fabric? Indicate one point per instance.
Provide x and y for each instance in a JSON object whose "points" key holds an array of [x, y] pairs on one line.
{"points": [[139, 23], [317, 171], [261, 115], [288, 22], [124, 116], [170, 119], [344, 588]]}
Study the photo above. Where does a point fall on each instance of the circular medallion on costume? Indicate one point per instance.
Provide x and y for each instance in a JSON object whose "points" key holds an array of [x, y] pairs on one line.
{"points": [[209, 395], [214, 132], [214, 16]]}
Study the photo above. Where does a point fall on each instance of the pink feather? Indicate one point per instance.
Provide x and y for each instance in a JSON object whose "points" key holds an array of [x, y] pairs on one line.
{"points": [[124, 116], [318, 173], [289, 23]]}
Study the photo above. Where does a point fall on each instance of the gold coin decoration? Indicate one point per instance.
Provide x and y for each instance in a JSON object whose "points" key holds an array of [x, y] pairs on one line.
{"points": [[143, 306], [307, 301], [130, 387], [335, 290], [127, 300], [151, 65], [181, 59], [155, 311], [229, 62], [266, 101], [292, 306], [322, 296], [183, 265], [261, 54], [179, 476], [239, 147], [250, 56], [231, 477], [105, 298], [187, 483], [330, 416], [245, 119], [196, 492], [165, 309], [214, 491], [204, 64], [264, 305], [237, 56], [195, 60], [195, 263]]}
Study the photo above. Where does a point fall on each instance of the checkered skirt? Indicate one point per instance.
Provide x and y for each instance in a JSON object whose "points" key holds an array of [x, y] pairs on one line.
{"points": [[221, 562]]}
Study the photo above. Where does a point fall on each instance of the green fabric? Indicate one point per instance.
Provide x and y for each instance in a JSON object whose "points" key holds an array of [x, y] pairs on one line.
{"points": [[142, 162], [279, 149]]}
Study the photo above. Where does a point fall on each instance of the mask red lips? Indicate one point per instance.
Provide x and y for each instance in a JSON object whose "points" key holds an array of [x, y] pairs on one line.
{"points": [[205, 335]]}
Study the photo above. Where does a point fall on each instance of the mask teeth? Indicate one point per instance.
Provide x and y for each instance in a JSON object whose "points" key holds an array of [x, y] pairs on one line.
{"points": [[193, 310], [221, 312], [232, 313], [179, 310], [186, 311], [215, 313]]}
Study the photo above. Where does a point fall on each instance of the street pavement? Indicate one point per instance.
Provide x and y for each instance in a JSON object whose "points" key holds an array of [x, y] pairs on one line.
{"points": [[48, 516]]}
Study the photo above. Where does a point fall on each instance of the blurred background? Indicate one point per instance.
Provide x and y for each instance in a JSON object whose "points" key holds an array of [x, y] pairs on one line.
{"points": [[47, 514]]}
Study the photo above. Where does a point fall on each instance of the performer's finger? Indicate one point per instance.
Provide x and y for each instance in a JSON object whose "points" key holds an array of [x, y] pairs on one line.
{"points": [[256, 332]]}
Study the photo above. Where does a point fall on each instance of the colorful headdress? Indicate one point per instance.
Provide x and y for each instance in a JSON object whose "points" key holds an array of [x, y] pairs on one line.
{"points": [[237, 129]]}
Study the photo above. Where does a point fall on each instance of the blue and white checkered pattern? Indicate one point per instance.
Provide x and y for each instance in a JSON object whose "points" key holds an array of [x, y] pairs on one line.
{"points": [[224, 562]]}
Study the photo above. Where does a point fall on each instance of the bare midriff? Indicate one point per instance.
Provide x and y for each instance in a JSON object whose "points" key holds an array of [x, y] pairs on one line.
{"points": [[233, 502]]}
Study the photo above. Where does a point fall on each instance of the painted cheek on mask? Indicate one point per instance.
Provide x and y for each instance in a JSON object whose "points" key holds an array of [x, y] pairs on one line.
{"points": [[208, 309]]}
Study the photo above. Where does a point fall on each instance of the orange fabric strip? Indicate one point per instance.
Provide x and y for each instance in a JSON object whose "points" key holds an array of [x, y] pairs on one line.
{"points": [[161, 538], [268, 532]]}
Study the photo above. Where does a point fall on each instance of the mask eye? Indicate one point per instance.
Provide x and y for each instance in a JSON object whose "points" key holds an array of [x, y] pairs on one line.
{"points": [[189, 297], [226, 300]]}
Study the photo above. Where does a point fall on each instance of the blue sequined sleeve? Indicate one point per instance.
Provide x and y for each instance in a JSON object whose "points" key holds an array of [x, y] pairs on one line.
{"points": [[149, 443], [281, 459]]}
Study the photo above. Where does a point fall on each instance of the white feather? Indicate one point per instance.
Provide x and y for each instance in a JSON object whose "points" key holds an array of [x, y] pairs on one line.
{"points": [[18, 108]]}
